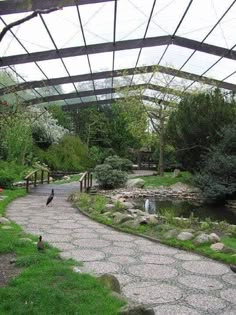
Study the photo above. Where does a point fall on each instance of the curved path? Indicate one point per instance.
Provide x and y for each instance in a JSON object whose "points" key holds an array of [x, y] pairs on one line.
{"points": [[172, 281]]}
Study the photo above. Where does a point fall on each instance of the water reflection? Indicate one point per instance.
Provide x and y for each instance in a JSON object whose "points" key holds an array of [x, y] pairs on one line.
{"points": [[185, 208]]}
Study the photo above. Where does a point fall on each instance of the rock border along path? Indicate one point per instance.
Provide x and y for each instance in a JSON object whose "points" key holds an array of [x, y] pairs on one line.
{"points": [[170, 280]]}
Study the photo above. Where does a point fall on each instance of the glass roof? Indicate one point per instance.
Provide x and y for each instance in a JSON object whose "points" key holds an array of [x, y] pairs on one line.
{"points": [[102, 45]]}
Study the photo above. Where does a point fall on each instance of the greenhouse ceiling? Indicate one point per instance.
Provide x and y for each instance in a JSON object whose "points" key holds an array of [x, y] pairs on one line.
{"points": [[81, 53]]}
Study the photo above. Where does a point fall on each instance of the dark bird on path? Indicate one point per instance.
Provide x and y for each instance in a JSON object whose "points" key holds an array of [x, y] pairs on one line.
{"points": [[40, 244], [233, 268], [50, 197]]}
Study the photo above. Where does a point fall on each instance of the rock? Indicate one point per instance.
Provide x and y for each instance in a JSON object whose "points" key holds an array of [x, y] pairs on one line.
{"points": [[171, 234], [201, 239], [217, 247], [176, 173], [128, 205], [121, 218], [110, 281], [151, 219], [132, 224], [184, 236], [135, 182], [135, 212], [131, 309], [76, 269], [214, 238], [179, 187], [4, 220]]}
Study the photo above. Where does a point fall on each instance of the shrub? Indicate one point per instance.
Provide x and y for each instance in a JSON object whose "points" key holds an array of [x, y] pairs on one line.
{"points": [[70, 154], [118, 163], [6, 179], [109, 178]]}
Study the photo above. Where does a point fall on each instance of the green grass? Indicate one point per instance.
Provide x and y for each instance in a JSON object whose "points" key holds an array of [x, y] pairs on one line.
{"points": [[47, 284], [73, 178], [167, 180], [10, 195], [92, 205]]}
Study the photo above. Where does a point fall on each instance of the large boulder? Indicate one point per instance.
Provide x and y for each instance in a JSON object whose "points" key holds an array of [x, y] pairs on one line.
{"points": [[184, 236], [152, 219], [218, 247], [135, 182], [201, 239], [214, 238], [110, 281], [121, 217], [132, 224]]}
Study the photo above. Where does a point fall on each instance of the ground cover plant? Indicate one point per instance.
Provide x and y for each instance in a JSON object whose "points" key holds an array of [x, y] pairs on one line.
{"points": [[94, 206], [47, 284], [167, 179]]}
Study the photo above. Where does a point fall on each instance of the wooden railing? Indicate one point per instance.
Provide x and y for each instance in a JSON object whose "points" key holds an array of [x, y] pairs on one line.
{"points": [[86, 181], [37, 177]]}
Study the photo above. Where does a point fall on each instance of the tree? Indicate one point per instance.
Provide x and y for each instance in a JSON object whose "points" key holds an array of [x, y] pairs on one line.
{"points": [[196, 123], [217, 178]]}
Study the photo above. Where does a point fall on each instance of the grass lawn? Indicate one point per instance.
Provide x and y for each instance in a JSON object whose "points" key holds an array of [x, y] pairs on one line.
{"points": [[167, 180], [73, 178], [47, 284]]}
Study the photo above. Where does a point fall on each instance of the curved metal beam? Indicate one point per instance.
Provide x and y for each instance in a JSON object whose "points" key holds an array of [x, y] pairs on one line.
{"points": [[117, 46], [52, 98], [18, 6], [117, 73]]}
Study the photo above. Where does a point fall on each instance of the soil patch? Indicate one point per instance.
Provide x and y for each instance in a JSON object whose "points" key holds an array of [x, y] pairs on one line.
{"points": [[8, 269]]}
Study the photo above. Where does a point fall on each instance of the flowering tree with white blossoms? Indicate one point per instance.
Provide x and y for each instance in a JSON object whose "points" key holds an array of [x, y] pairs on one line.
{"points": [[45, 128]]}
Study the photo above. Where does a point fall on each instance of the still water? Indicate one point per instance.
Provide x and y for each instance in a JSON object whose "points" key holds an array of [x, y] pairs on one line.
{"points": [[184, 208]]}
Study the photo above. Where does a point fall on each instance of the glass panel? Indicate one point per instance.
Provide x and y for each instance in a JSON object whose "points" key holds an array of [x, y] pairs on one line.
{"points": [[53, 68], [84, 86], [231, 79], [121, 81], [166, 17], [98, 20], [222, 69], [150, 55], [74, 101], [77, 65], [175, 56], [89, 99], [201, 17], [67, 88], [101, 61], [200, 62], [132, 25], [126, 58], [29, 71], [64, 27], [103, 83]]}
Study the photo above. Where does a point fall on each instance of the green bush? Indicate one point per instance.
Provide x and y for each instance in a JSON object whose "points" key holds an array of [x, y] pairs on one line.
{"points": [[217, 179], [109, 178], [10, 172], [70, 154], [118, 163]]}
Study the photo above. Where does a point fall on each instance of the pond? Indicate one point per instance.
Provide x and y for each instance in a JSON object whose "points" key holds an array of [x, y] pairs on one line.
{"points": [[184, 208]]}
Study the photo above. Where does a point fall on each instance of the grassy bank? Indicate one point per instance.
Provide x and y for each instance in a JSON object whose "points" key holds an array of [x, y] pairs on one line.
{"points": [[47, 284], [94, 207], [167, 179]]}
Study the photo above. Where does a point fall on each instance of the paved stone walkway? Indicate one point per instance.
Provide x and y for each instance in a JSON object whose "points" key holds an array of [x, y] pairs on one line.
{"points": [[172, 281]]}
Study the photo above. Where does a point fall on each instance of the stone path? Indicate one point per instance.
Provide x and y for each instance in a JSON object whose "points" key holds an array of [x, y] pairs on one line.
{"points": [[170, 280]]}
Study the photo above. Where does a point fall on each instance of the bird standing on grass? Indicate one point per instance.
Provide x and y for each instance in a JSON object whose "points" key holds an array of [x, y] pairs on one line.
{"points": [[50, 197], [40, 244]]}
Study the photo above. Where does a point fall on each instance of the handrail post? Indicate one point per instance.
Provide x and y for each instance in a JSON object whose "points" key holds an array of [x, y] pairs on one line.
{"points": [[85, 177], [27, 185], [48, 178], [42, 173], [91, 180], [35, 179], [88, 186], [81, 186]]}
